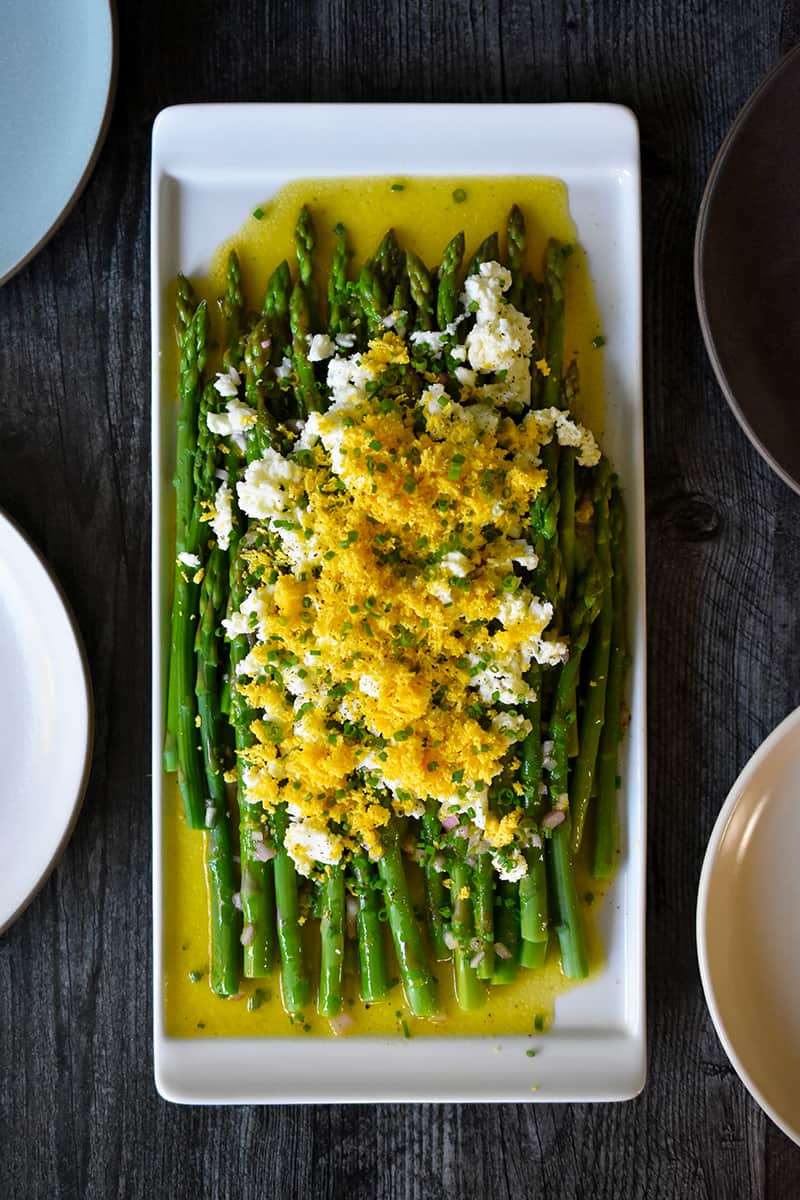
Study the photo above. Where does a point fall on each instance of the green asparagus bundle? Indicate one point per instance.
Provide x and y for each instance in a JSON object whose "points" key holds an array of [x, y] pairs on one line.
{"points": [[398, 624]]}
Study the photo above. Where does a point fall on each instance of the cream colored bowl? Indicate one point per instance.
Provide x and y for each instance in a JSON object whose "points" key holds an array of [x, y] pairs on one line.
{"points": [[748, 926]]}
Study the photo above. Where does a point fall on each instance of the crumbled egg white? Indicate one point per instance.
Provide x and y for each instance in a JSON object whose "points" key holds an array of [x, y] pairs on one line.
{"points": [[512, 724], [369, 686], [222, 520], [237, 418], [308, 844], [227, 382], [501, 339], [320, 347], [510, 871], [568, 433], [270, 484], [466, 377], [391, 320], [504, 681], [456, 563]]}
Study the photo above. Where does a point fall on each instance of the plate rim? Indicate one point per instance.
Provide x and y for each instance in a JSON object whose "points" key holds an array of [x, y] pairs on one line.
{"points": [[28, 547], [91, 163], [788, 726], [183, 170], [719, 163]]}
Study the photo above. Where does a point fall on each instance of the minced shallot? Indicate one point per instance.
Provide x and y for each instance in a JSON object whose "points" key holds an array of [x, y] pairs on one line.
{"points": [[340, 1023]]}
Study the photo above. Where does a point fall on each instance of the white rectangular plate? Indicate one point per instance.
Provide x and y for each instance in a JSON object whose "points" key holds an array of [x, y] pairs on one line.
{"points": [[211, 165]]}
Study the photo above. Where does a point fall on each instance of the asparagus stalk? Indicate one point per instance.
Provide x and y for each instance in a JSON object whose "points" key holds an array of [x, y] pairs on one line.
{"points": [[387, 262], [436, 897], [533, 955], [276, 308], [555, 279], [606, 809], [185, 598], [419, 983], [304, 243], [184, 312], [257, 870], [403, 306], [331, 943], [515, 251], [224, 919], [483, 910], [488, 251], [533, 306], [374, 981], [309, 395], [506, 923], [595, 700], [339, 320], [421, 289], [533, 902], [372, 296], [571, 937], [574, 954], [295, 980], [261, 392], [470, 992], [447, 290], [301, 316], [276, 313], [232, 309], [566, 524], [258, 880]]}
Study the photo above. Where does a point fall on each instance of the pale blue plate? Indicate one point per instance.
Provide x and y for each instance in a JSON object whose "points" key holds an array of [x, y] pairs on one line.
{"points": [[57, 75]]}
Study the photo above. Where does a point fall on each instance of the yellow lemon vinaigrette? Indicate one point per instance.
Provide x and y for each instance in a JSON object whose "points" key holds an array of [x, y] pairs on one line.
{"points": [[425, 213]]}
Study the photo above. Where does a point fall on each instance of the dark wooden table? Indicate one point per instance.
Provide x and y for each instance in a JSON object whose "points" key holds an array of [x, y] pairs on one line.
{"points": [[79, 1115]]}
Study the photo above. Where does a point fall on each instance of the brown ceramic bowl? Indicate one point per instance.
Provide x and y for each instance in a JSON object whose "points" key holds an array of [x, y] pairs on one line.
{"points": [[747, 268]]}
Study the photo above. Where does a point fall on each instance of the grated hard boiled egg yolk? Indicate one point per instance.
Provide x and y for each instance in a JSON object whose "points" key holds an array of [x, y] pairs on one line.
{"points": [[392, 621]]}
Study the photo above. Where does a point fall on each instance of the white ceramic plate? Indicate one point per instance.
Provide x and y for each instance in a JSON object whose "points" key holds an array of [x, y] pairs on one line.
{"points": [[45, 722], [748, 918], [57, 71], [211, 165]]}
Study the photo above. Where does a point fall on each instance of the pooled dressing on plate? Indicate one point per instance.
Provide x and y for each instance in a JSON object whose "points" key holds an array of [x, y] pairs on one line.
{"points": [[425, 213]]}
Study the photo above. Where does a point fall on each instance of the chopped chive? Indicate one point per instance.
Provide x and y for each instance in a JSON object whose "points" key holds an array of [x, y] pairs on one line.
{"points": [[456, 463], [258, 213], [459, 195]]}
